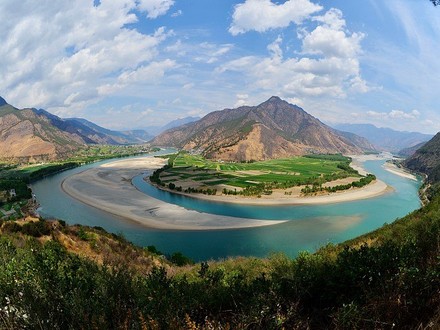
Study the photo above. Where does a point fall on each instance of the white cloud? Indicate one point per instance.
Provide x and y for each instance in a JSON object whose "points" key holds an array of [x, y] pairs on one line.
{"points": [[330, 39], [61, 55], [177, 13], [328, 64], [394, 114], [143, 74], [242, 99], [275, 48], [155, 8], [263, 15], [414, 114]]}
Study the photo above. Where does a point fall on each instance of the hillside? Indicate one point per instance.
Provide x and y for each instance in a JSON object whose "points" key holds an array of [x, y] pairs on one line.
{"points": [[407, 152], [31, 135], [386, 139], [427, 159], [273, 129]]}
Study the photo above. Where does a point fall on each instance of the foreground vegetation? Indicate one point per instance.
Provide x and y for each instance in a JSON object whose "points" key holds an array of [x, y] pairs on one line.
{"points": [[54, 276], [255, 178]]}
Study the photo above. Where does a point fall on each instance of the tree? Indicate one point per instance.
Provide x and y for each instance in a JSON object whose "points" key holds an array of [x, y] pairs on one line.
{"points": [[435, 2]]}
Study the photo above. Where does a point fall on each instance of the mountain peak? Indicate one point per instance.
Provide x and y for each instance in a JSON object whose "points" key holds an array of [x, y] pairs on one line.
{"points": [[269, 130], [2, 101], [274, 99]]}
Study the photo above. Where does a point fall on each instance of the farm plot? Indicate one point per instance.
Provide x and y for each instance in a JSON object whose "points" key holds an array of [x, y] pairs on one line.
{"points": [[277, 173]]}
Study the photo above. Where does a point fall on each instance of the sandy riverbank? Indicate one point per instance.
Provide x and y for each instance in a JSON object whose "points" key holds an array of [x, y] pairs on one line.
{"points": [[108, 187], [374, 189], [392, 168]]}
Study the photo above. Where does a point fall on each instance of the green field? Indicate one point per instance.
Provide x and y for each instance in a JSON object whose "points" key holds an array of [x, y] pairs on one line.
{"points": [[270, 174]]}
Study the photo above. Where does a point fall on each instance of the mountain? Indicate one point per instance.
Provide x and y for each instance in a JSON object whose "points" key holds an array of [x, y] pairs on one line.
{"points": [[153, 131], [385, 139], [272, 129], [29, 135], [2, 101], [138, 135], [407, 152], [179, 122], [110, 136], [427, 159], [36, 135]]}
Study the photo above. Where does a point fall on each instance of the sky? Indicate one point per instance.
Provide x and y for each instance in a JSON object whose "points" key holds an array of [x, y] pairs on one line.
{"points": [[127, 64]]}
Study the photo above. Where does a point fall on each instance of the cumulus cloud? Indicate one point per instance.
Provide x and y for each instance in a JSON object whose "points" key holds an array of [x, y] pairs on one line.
{"points": [[327, 65], [62, 53], [263, 15], [330, 38]]}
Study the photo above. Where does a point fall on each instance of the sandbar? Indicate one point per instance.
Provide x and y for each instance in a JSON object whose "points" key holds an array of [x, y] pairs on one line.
{"points": [[392, 168], [108, 187]]}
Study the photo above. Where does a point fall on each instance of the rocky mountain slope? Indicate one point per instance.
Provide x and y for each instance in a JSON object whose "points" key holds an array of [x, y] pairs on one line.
{"points": [[272, 129], [30, 135], [386, 139], [427, 159]]}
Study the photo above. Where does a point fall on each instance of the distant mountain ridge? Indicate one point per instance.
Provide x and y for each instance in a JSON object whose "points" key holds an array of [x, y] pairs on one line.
{"points": [[385, 139], [272, 129], [115, 137], [179, 122]]}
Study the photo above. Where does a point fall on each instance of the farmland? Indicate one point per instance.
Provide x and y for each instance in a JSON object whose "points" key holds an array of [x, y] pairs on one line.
{"points": [[195, 172]]}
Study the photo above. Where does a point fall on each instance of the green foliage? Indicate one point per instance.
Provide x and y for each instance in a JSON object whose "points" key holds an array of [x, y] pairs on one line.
{"points": [[179, 259], [389, 278], [154, 250], [82, 234]]}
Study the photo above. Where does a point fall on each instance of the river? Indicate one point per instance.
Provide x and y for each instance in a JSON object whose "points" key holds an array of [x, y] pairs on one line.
{"points": [[308, 228]]}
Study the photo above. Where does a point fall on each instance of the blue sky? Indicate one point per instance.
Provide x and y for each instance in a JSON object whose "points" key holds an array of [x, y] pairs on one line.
{"points": [[137, 63]]}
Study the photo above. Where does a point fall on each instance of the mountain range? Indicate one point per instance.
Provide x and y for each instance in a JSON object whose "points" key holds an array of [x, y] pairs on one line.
{"points": [[386, 139], [272, 129], [35, 134]]}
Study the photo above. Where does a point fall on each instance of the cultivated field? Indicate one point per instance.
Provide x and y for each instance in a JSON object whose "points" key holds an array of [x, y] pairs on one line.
{"points": [[195, 171]]}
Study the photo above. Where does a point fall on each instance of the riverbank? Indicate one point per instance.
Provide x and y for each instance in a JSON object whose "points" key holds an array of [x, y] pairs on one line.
{"points": [[108, 187], [392, 168]]}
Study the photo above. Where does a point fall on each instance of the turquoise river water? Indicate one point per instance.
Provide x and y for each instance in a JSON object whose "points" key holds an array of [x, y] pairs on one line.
{"points": [[308, 228]]}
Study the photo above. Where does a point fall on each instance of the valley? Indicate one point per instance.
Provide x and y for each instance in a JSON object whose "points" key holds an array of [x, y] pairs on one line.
{"points": [[204, 165]]}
